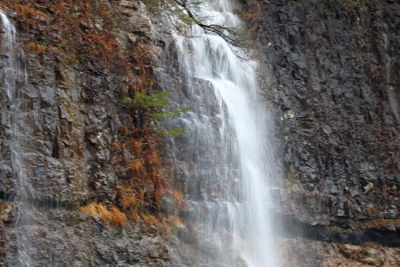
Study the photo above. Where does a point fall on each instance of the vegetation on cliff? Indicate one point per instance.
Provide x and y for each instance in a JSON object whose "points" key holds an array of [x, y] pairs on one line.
{"points": [[91, 37]]}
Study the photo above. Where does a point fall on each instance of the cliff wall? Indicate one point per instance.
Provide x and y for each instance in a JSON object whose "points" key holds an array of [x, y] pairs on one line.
{"points": [[332, 70], [330, 67], [95, 164]]}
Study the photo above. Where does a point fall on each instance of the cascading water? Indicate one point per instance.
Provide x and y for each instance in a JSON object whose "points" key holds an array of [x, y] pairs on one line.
{"points": [[15, 80], [225, 161]]}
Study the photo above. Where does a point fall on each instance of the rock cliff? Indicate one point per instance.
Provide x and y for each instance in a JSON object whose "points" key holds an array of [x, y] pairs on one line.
{"points": [[94, 164], [331, 68]]}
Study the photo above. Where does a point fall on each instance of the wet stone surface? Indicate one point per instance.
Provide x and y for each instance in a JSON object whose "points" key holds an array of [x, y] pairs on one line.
{"points": [[329, 69]]}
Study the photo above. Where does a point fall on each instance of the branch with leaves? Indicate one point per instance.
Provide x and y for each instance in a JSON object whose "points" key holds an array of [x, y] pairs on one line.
{"points": [[182, 9]]}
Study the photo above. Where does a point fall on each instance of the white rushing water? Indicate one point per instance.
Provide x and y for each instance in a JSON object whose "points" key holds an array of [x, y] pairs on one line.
{"points": [[15, 79], [226, 159]]}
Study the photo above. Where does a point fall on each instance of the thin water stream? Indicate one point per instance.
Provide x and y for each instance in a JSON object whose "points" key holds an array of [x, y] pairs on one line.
{"points": [[15, 79]]}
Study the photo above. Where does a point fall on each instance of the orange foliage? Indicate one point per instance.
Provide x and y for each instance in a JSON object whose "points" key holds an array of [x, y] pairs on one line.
{"points": [[36, 48], [128, 198], [113, 162], [105, 45], [158, 192], [141, 194], [111, 216], [30, 15], [154, 158], [368, 211], [27, 10], [150, 219], [116, 146], [372, 245], [133, 215], [75, 22], [179, 199], [81, 31], [137, 166], [144, 80], [381, 223], [174, 221], [129, 203], [137, 146], [116, 217]]}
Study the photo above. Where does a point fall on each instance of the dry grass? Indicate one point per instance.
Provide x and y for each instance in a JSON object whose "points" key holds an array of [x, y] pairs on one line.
{"points": [[30, 15], [382, 223], [372, 245], [74, 23], [137, 146], [111, 216], [174, 221], [102, 45], [129, 203], [154, 158], [127, 197], [83, 32], [137, 166], [116, 217], [178, 198], [158, 192], [150, 219], [36, 48], [116, 146], [133, 215]]}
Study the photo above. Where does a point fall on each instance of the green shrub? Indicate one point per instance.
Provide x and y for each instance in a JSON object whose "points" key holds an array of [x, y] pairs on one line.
{"points": [[152, 108]]}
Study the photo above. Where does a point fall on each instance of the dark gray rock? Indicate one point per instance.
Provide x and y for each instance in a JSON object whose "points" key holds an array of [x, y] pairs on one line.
{"points": [[334, 79]]}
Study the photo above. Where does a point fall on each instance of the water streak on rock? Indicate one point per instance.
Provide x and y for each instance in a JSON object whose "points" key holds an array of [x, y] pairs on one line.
{"points": [[14, 77]]}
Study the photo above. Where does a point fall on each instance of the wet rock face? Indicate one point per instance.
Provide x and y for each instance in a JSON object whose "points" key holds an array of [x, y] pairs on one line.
{"points": [[64, 238], [73, 100], [332, 255], [333, 70], [81, 147]]}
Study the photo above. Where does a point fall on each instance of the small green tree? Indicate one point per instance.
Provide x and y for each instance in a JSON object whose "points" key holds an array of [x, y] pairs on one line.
{"points": [[152, 109]]}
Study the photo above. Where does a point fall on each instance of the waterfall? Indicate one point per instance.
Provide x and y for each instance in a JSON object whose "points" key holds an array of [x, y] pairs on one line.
{"points": [[18, 132], [225, 162]]}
